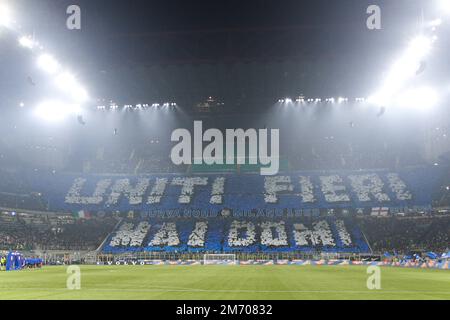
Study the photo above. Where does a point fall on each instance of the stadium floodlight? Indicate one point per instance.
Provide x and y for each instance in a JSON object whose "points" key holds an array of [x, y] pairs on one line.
{"points": [[65, 80], [377, 99], [5, 16], [54, 111], [27, 42], [404, 68], [436, 22], [408, 64], [48, 64], [444, 6], [419, 46], [418, 98], [69, 84]]}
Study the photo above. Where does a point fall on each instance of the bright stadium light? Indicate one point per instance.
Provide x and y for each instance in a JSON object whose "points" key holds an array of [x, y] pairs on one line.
{"points": [[54, 111], [5, 16], [444, 6], [403, 70], [27, 42], [419, 47], [418, 98], [436, 22], [69, 84], [48, 64]]}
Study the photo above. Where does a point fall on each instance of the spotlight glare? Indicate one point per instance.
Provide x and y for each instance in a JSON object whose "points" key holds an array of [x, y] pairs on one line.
{"points": [[5, 16], [419, 47], [444, 6], [436, 22], [54, 111], [26, 42], [48, 64], [68, 84], [404, 69], [418, 98]]}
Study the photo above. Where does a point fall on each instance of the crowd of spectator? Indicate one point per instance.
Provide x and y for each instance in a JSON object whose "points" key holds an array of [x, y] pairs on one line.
{"points": [[64, 232], [52, 232], [407, 234]]}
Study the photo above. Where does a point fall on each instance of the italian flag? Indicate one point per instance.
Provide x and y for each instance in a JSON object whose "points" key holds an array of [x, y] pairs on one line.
{"points": [[82, 214]]}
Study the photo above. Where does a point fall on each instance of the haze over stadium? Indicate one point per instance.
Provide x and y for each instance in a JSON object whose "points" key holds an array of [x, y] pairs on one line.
{"points": [[157, 140]]}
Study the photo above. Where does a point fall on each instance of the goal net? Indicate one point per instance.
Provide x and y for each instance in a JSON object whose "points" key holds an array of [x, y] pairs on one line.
{"points": [[226, 259]]}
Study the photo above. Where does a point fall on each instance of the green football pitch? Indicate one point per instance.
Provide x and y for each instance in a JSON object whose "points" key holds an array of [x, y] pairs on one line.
{"points": [[225, 282]]}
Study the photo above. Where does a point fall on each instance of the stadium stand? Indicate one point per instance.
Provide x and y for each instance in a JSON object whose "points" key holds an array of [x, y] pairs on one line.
{"points": [[230, 236], [353, 212], [22, 231], [212, 192], [403, 234]]}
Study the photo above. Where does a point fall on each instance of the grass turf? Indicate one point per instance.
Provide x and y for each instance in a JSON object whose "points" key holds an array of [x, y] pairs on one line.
{"points": [[225, 282]]}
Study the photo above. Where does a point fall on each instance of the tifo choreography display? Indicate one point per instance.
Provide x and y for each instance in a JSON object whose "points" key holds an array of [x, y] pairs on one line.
{"points": [[229, 235], [211, 194], [293, 212]]}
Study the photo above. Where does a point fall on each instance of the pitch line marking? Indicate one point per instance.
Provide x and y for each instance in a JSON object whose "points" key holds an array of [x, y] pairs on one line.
{"points": [[236, 291]]}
